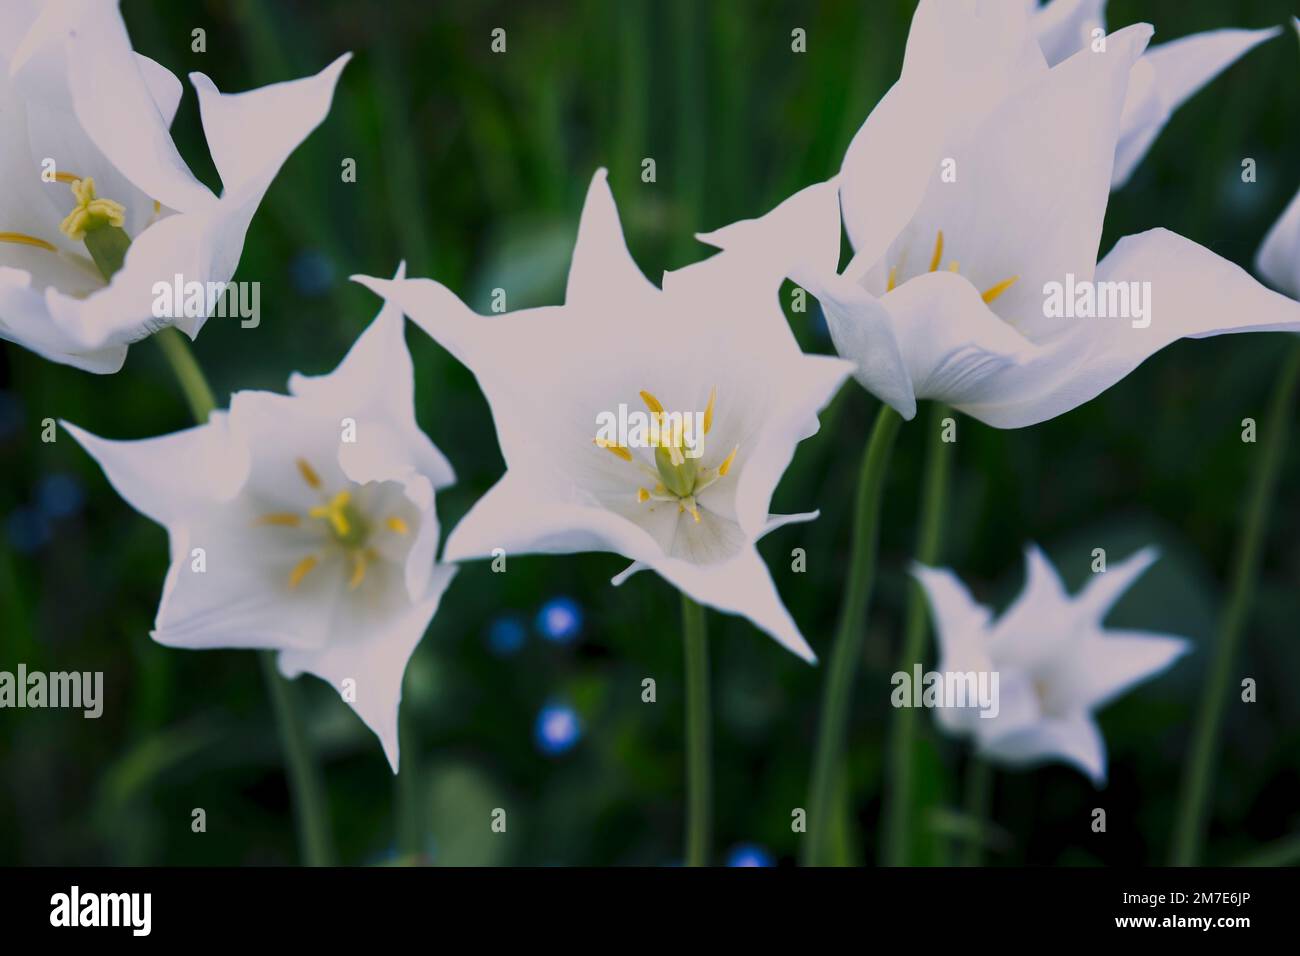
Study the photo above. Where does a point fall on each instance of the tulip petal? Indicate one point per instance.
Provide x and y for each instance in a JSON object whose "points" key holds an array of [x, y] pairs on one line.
{"points": [[374, 660], [1104, 589], [250, 136], [1180, 69], [1076, 740], [1278, 261], [962, 59], [601, 261]]}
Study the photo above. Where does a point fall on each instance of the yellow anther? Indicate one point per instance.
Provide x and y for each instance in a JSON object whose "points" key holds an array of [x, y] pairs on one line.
{"points": [[335, 513], [652, 403], [20, 239], [642, 495], [953, 267], [938, 251], [612, 448], [397, 526], [893, 279], [360, 561], [68, 178], [990, 294], [726, 465], [308, 473], [301, 570], [283, 519], [708, 409], [90, 212], [660, 489]]}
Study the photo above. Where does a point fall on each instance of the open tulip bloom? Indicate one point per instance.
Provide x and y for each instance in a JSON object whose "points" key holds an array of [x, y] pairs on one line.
{"points": [[974, 196], [302, 523], [1163, 78], [1055, 662], [704, 371], [97, 206]]}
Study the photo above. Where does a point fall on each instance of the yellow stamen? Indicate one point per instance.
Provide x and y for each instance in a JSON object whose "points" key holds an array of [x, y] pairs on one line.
{"points": [[708, 410], [726, 465], [301, 570], [642, 495], [20, 239], [938, 252], [990, 294], [893, 278], [694, 509], [91, 212], [283, 519], [613, 449], [308, 473], [68, 178], [652, 403], [360, 561], [952, 266], [334, 513], [397, 526]]}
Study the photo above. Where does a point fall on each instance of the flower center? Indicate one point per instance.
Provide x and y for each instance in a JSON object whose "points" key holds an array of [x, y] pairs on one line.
{"points": [[678, 478], [95, 221], [343, 521], [988, 295]]}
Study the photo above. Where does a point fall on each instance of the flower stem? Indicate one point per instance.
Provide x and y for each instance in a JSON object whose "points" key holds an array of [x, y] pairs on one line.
{"points": [[979, 795], [896, 819], [1198, 772], [181, 358], [304, 777], [304, 780], [847, 651], [699, 736]]}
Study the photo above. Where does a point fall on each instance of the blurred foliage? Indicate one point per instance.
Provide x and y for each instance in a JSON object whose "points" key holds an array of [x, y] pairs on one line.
{"points": [[472, 168]]}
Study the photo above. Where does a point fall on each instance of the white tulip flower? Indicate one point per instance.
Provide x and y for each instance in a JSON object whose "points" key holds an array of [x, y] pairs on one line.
{"points": [[1055, 662], [302, 523], [654, 423], [98, 207], [974, 196], [1164, 77]]}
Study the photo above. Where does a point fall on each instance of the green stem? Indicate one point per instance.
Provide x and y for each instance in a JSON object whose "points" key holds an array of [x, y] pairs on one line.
{"points": [[1191, 821], [899, 812], [1284, 852], [847, 652], [181, 358], [699, 736], [304, 780], [407, 795], [979, 796]]}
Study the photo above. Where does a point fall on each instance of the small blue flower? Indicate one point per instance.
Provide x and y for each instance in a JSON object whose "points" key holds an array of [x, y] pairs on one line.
{"points": [[59, 496], [749, 854], [312, 274], [560, 620], [506, 635], [27, 529], [557, 729]]}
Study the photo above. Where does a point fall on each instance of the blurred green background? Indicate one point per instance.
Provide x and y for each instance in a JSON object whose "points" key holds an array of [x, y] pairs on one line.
{"points": [[472, 167]]}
